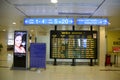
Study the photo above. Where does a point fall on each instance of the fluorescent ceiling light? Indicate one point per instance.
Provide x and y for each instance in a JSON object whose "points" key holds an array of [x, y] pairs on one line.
{"points": [[54, 1]]}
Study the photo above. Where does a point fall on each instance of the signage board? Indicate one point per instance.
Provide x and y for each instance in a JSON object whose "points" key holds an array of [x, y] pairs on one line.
{"points": [[20, 49], [73, 44], [92, 21], [116, 49], [47, 21]]}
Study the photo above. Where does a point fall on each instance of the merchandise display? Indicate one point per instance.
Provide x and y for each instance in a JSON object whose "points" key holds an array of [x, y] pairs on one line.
{"points": [[73, 44]]}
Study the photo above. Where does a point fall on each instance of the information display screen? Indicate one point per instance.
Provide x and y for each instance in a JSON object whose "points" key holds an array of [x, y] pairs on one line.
{"points": [[20, 40], [73, 44], [92, 21], [46, 21], [20, 46]]}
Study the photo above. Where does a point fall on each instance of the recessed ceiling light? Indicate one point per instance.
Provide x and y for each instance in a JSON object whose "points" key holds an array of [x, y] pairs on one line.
{"points": [[14, 23], [54, 1], [3, 30], [31, 30]]}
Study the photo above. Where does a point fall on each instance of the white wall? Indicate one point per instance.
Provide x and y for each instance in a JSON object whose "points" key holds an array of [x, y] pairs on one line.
{"points": [[3, 40]]}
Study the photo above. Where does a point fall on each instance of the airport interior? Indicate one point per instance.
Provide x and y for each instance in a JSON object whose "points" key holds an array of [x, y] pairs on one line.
{"points": [[59, 39]]}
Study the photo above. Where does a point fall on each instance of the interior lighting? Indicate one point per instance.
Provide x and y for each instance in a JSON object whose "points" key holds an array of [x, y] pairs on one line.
{"points": [[54, 1], [3, 30], [14, 23], [109, 23], [31, 30]]}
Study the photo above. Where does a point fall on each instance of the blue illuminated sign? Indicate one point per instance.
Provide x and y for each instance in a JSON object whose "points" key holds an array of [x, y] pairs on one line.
{"points": [[92, 21], [53, 21]]}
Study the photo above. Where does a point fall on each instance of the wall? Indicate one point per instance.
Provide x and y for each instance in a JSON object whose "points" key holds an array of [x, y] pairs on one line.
{"points": [[45, 39], [113, 39], [3, 40]]}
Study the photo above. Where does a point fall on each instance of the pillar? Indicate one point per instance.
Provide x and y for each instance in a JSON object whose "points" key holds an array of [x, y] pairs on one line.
{"points": [[101, 46]]}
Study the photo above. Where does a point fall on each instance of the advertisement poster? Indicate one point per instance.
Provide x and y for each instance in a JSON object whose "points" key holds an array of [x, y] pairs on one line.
{"points": [[20, 48]]}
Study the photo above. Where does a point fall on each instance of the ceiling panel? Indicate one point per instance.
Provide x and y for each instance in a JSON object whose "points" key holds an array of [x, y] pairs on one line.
{"points": [[56, 10], [108, 8], [38, 10], [63, 7], [28, 1], [59, 1]]}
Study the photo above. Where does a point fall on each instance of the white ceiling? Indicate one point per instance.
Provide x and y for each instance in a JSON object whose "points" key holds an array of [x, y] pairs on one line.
{"points": [[16, 10], [63, 7]]}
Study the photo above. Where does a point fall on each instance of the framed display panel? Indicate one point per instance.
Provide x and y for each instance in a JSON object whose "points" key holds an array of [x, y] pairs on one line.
{"points": [[73, 44], [38, 55], [20, 49]]}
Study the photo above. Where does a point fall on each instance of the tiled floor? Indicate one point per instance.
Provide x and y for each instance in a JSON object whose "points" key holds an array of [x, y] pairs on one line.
{"points": [[59, 72]]}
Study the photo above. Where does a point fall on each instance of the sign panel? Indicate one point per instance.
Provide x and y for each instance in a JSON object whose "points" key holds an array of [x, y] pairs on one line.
{"points": [[46, 21], [20, 48], [38, 55], [92, 21], [116, 49], [73, 44]]}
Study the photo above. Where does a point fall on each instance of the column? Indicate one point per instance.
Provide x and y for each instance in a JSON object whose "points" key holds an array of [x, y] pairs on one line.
{"points": [[101, 46]]}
